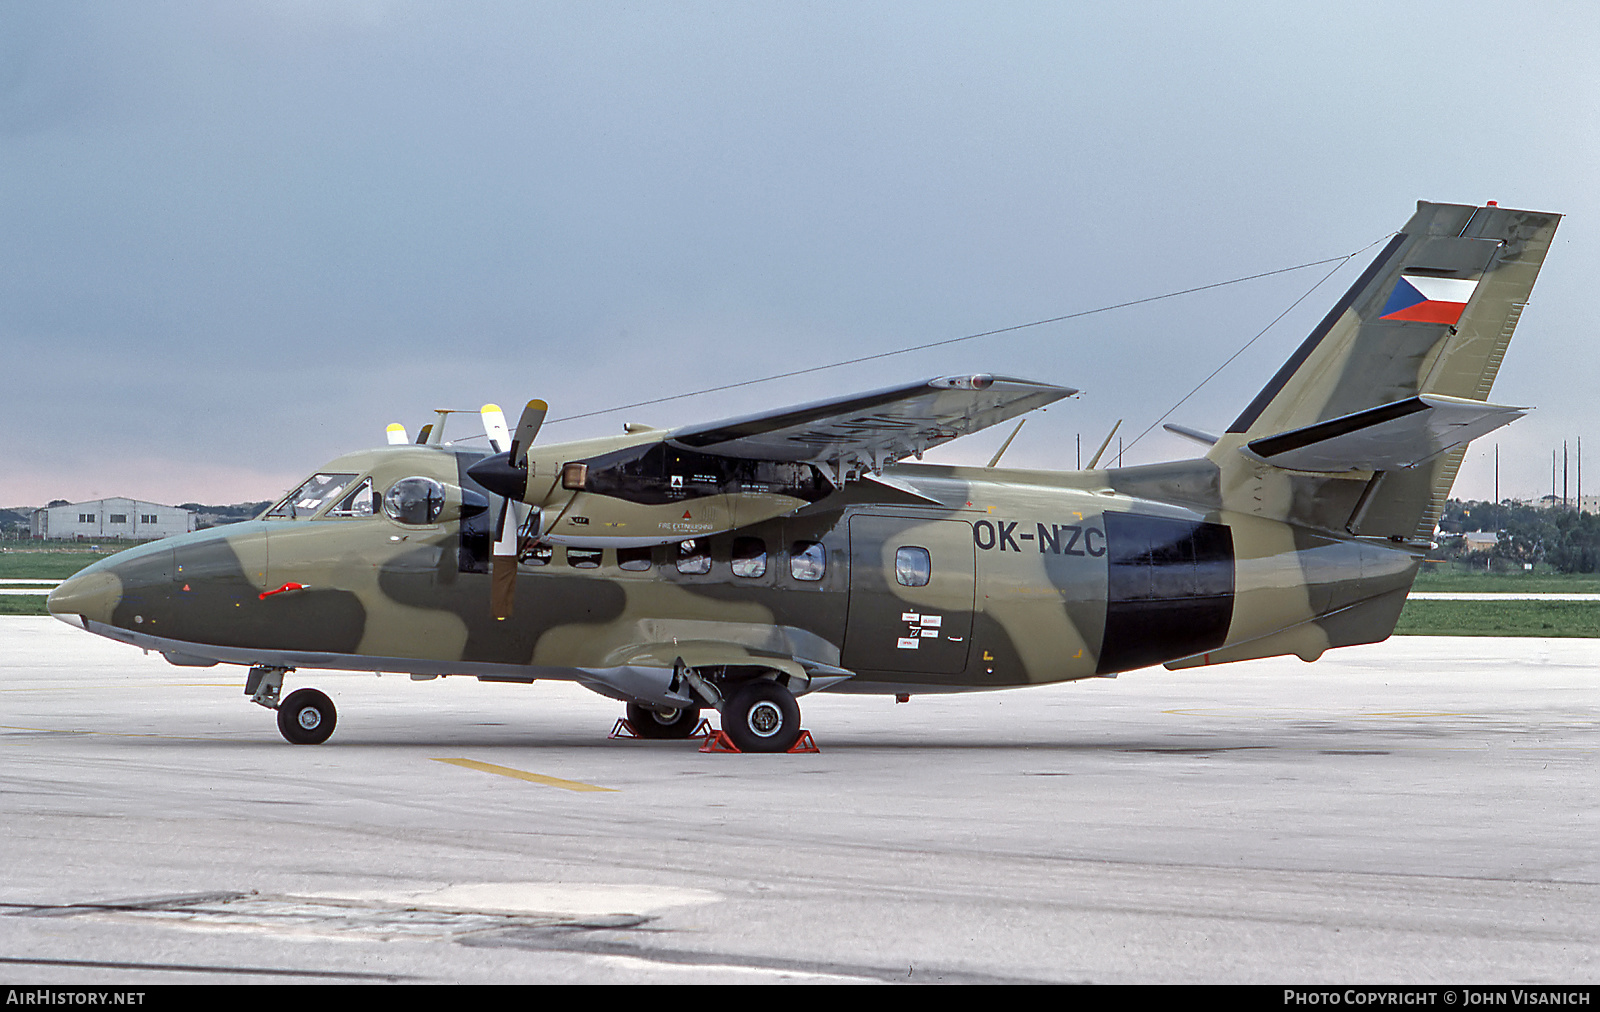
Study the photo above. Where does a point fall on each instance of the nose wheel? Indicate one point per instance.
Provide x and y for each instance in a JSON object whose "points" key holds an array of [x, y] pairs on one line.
{"points": [[306, 717]]}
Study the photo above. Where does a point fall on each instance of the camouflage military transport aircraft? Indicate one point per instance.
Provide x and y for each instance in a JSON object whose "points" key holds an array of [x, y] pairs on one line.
{"points": [[741, 564]]}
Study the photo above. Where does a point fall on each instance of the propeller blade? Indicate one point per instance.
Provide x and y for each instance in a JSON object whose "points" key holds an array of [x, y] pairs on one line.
{"points": [[503, 567], [494, 426], [527, 430], [397, 434], [422, 437]]}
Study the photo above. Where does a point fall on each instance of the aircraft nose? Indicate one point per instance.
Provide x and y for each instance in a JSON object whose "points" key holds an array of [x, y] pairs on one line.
{"points": [[91, 594]]}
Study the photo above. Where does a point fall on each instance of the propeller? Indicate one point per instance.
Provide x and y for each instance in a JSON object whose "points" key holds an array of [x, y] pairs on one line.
{"points": [[509, 478], [397, 434]]}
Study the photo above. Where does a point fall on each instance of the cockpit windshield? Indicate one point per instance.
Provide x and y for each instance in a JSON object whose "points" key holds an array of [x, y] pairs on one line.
{"points": [[318, 490]]}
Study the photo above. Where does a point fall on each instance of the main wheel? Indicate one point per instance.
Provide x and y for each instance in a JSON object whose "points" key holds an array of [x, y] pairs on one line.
{"points": [[762, 716], [649, 723], [306, 717]]}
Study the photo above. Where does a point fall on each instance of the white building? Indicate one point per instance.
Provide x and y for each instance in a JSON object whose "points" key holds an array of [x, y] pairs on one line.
{"points": [[116, 519]]}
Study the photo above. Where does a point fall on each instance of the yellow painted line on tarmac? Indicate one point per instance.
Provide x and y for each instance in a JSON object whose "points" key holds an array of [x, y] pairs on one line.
{"points": [[537, 778]]}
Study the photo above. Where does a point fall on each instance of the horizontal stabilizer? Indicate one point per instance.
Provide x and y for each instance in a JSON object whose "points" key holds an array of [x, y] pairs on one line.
{"points": [[1403, 434]]}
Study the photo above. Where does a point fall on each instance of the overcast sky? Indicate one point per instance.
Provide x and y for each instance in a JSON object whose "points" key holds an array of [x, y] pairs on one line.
{"points": [[238, 239]]}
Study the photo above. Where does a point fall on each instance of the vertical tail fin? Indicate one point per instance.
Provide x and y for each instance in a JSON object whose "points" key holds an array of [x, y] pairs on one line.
{"points": [[1362, 429]]}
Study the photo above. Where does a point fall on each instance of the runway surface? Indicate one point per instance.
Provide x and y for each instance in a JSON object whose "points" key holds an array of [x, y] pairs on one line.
{"points": [[1424, 810]]}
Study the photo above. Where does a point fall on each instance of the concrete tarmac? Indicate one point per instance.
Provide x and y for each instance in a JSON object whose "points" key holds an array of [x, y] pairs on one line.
{"points": [[1423, 810]]}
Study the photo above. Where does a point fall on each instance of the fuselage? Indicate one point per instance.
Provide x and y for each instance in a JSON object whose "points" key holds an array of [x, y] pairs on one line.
{"points": [[962, 578]]}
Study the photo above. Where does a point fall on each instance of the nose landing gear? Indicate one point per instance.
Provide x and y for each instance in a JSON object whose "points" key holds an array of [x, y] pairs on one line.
{"points": [[306, 717]]}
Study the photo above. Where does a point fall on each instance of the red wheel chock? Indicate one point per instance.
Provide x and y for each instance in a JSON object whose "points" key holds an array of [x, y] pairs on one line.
{"points": [[803, 744], [625, 730], [719, 742]]}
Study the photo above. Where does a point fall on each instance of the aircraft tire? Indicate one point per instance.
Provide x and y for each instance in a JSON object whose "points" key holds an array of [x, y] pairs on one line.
{"points": [[306, 717], [648, 723], [762, 716]]}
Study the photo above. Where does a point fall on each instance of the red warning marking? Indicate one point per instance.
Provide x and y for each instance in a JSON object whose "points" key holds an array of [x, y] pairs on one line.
{"points": [[281, 590], [686, 515]]}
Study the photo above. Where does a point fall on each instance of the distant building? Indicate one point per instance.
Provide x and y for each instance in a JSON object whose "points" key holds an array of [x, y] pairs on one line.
{"points": [[115, 519], [1481, 541], [1588, 504]]}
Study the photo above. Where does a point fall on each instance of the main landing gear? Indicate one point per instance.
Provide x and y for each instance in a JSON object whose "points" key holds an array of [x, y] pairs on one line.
{"points": [[306, 717], [758, 714], [761, 716], [648, 722]]}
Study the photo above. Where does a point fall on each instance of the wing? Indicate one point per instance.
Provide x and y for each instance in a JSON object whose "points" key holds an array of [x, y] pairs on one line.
{"points": [[873, 429]]}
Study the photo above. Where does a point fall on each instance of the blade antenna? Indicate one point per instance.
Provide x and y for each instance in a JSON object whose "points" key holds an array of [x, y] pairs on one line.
{"points": [[1005, 445], [1096, 458]]}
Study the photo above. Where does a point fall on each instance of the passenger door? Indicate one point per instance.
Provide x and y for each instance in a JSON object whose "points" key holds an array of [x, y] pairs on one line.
{"points": [[912, 583]]}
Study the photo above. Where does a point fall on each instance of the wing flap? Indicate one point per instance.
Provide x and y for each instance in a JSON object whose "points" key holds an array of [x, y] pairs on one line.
{"points": [[1403, 434]]}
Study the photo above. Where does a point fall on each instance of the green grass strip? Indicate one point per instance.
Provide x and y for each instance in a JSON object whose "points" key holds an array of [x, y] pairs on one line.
{"points": [[22, 604], [1500, 618]]}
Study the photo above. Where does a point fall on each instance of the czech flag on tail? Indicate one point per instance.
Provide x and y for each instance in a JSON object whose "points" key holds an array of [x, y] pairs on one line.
{"points": [[1428, 300]]}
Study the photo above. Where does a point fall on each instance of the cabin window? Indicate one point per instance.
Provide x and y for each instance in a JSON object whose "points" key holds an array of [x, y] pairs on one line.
{"points": [[807, 560], [584, 558], [749, 557], [539, 555], [414, 501], [360, 503], [912, 567], [634, 560], [312, 496], [693, 557]]}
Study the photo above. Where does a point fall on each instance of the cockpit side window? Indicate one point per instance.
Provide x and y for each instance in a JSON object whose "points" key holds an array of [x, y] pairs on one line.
{"points": [[414, 501], [317, 491], [360, 503]]}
